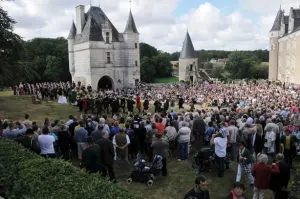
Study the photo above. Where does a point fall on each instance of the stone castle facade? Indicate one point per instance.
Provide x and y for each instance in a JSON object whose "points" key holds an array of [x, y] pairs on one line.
{"points": [[99, 55], [284, 58]]}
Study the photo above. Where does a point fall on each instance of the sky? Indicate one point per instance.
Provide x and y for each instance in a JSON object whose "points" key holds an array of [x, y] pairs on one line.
{"points": [[212, 24]]}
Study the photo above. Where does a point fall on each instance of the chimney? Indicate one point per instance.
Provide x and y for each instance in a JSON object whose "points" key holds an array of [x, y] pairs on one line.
{"points": [[80, 18]]}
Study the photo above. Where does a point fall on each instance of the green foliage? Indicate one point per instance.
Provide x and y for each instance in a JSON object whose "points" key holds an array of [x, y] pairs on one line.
{"points": [[154, 63], [49, 58], [24, 175], [295, 187], [147, 69], [10, 50]]}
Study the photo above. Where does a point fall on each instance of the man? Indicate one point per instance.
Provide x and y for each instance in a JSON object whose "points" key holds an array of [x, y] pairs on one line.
{"points": [[220, 142], [200, 191], [198, 128], [107, 155], [91, 159], [279, 182], [233, 132], [14, 130], [80, 136], [121, 142], [184, 136], [29, 141]]}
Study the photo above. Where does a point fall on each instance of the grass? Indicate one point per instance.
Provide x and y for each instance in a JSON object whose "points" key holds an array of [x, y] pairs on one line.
{"points": [[166, 80], [180, 174]]}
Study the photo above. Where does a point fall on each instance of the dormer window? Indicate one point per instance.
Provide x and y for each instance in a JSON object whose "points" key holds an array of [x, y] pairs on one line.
{"points": [[107, 37]]}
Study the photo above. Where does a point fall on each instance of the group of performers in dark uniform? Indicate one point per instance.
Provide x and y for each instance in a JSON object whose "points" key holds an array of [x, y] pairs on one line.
{"points": [[44, 91], [96, 102]]}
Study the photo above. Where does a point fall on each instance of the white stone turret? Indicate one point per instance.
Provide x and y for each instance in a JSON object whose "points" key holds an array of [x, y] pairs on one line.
{"points": [[188, 61], [274, 47], [131, 38], [71, 39]]}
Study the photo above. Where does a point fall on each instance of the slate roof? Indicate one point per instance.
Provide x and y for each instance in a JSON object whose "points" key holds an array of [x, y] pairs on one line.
{"points": [[92, 31], [72, 33], [277, 23], [130, 25], [188, 50]]}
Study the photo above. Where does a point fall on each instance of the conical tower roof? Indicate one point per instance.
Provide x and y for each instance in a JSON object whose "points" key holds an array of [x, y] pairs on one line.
{"points": [[130, 26], [277, 23], [72, 33], [188, 50]]}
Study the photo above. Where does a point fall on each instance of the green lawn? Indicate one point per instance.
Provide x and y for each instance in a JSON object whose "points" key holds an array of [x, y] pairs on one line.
{"points": [[180, 174], [166, 80]]}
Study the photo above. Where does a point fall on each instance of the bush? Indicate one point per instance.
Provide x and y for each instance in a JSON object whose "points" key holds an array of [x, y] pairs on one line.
{"points": [[27, 175], [295, 187]]}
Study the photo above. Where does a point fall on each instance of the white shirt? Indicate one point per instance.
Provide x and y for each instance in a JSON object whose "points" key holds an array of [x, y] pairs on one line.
{"points": [[46, 144], [68, 123], [220, 146]]}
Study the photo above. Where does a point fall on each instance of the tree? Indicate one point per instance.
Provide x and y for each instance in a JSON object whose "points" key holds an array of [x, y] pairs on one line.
{"points": [[147, 50], [175, 56], [163, 66], [147, 69], [49, 58], [12, 69]]}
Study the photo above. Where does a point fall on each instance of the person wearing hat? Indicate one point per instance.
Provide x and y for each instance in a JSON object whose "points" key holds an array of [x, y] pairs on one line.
{"points": [[30, 142], [200, 191]]}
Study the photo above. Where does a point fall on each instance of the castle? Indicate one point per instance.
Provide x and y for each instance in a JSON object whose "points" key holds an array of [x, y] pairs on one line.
{"points": [[284, 59], [99, 55]]}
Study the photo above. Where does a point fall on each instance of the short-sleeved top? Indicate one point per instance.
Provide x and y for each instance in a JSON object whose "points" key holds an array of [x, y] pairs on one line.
{"points": [[46, 144]]}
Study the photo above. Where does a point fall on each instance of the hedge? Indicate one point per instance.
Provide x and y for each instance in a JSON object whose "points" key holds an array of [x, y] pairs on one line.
{"points": [[24, 175]]}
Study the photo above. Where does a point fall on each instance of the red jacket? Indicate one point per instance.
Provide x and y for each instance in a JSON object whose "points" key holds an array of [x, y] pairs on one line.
{"points": [[261, 173]]}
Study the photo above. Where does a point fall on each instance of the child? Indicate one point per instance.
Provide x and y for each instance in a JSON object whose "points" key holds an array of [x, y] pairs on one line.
{"points": [[237, 192]]}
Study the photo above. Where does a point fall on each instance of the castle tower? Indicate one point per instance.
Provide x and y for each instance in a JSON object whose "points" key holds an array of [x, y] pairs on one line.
{"points": [[71, 39], [131, 38], [274, 47], [188, 61], [101, 56]]}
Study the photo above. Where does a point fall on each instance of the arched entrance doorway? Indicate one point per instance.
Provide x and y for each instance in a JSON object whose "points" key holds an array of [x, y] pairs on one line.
{"points": [[106, 83]]}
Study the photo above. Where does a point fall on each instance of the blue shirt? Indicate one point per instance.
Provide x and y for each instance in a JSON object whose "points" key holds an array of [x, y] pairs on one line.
{"points": [[81, 134], [14, 133]]}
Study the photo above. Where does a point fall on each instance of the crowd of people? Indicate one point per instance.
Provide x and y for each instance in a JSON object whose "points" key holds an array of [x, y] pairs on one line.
{"points": [[257, 125]]}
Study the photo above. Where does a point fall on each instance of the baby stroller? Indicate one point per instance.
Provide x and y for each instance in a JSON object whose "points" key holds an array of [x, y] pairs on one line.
{"points": [[144, 173], [204, 160]]}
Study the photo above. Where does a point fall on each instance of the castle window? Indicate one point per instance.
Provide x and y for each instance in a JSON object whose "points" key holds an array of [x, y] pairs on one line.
{"points": [[107, 37], [108, 60], [136, 63], [136, 45]]}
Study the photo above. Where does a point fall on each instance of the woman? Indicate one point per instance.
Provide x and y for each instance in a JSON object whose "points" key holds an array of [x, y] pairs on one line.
{"points": [[46, 143], [160, 147], [261, 173], [245, 160]]}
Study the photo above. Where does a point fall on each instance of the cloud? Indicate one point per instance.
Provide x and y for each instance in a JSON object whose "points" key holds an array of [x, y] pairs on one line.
{"points": [[208, 26]]}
